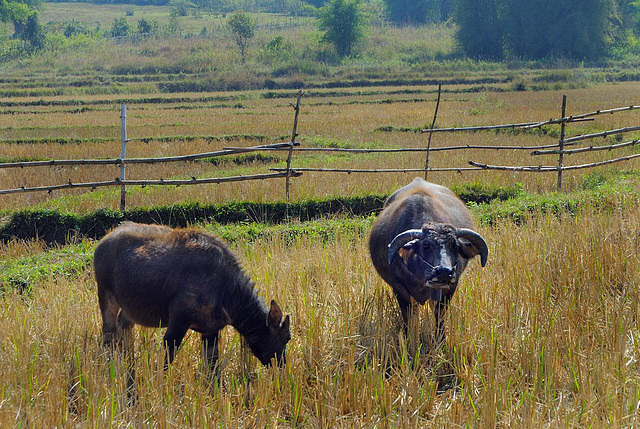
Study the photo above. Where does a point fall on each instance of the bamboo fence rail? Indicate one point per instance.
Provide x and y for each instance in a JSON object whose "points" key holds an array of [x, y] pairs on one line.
{"points": [[523, 125], [379, 170], [168, 182], [540, 168], [585, 149], [119, 161], [574, 118], [601, 134], [292, 147], [395, 150]]}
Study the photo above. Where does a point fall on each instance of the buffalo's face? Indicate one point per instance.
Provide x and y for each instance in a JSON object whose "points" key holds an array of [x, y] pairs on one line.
{"points": [[273, 342], [434, 257]]}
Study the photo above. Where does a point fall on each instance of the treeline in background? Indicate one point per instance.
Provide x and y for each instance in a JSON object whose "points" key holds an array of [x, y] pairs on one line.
{"points": [[492, 30]]}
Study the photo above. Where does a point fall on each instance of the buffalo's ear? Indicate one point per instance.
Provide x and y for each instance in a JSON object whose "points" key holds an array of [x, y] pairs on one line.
{"points": [[405, 254], [275, 315], [407, 250], [286, 323]]}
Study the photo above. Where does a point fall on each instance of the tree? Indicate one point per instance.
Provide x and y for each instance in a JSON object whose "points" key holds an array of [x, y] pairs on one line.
{"points": [[343, 23], [34, 32], [413, 11], [24, 16], [173, 26], [480, 33], [316, 3], [242, 30], [446, 9], [627, 15], [18, 12], [577, 29], [147, 27], [182, 6], [120, 27]]}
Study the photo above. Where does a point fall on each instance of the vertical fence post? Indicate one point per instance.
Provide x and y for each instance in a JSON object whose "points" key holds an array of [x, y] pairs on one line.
{"points": [[561, 142], [433, 124], [294, 134], [123, 154]]}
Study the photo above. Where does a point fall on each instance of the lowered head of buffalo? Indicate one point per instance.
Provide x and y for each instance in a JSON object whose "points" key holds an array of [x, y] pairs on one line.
{"points": [[274, 343], [434, 257]]}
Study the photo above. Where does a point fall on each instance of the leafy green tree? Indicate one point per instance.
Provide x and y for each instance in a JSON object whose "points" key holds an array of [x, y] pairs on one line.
{"points": [[413, 11], [173, 26], [631, 10], [34, 32], [146, 26], [343, 23], [18, 12], [480, 33], [578, 29], [182, 6], [13, 10], [120, 27], [316, 3], [446, 9], [242, 30]]}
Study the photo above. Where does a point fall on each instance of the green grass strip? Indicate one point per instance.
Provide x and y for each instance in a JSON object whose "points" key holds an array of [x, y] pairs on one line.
{"points": [[54, 226], [24, 273], [601, 189]]}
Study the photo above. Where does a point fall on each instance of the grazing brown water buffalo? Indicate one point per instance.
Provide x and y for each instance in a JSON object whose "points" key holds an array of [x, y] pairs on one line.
{"points": [[420, 245], [182, 279]]}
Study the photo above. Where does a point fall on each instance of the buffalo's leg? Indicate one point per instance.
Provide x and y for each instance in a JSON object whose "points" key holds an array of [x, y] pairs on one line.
{"points": [[109, 308], [211, 353], [410, 319], [125, 326], [408, 310], [177, 329], [439, 309]]}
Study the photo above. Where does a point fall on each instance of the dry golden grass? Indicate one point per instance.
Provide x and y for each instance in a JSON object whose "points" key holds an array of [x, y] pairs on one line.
{"points": [[546, 335], [351, 124]]}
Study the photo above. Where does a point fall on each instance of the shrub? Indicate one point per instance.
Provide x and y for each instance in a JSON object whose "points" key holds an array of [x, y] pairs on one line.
{"points": [[120, 28], [75, 28]]}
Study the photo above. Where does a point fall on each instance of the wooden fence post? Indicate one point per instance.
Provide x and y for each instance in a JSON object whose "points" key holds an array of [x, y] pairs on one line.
{"points": [[294, 134], [561, 142], [123, 154], [433, 124]]}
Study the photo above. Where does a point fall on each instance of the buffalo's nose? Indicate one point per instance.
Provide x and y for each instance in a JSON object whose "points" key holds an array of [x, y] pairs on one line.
{"points": [[444, 274]]}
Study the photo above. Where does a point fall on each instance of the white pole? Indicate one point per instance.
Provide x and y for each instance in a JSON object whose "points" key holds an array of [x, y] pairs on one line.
{"points": [[123, 154]]}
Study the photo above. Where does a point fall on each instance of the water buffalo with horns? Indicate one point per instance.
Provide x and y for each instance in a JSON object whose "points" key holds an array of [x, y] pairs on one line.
{"points": [[182, 279], [420, 245]]}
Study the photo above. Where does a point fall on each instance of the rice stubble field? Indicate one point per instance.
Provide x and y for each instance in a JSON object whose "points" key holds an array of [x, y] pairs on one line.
{"points": [[546, 334]]}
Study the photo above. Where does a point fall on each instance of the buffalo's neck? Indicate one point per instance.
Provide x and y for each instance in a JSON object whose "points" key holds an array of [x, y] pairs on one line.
{"points": [[248, 313]]}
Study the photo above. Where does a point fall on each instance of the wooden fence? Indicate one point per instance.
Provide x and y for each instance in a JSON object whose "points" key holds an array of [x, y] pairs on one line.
{"points": [[293, 146]]}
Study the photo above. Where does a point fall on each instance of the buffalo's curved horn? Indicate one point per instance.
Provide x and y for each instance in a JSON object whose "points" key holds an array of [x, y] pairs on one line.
{"points": [[477, 240], [400, 240]]}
